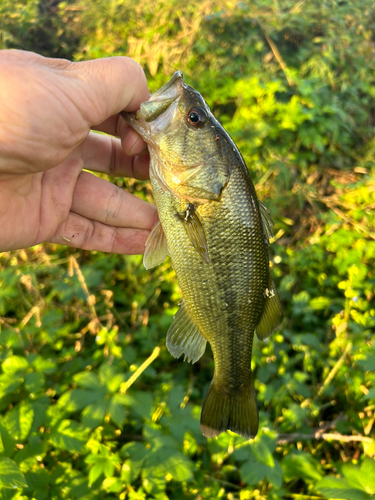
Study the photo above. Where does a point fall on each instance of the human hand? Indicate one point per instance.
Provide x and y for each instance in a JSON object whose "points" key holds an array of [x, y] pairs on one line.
{"points": [[48, 109]]}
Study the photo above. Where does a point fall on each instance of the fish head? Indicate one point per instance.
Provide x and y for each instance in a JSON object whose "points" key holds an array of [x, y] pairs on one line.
{"points": [[181, 132], [174, 107]]}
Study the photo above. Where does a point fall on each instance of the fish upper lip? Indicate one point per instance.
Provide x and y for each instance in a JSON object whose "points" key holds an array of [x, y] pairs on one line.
{"points": [[168, 85]]}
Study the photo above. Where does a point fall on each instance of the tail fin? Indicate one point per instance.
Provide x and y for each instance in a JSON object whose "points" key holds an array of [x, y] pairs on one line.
{"points": [[235, 412]]}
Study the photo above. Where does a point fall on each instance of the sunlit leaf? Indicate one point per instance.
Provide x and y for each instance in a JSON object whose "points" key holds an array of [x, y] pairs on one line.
{"points": [[93, 415], [337, 488], [13, 364], [301, 465], [19, 420], [10, 475], [69, 435]]}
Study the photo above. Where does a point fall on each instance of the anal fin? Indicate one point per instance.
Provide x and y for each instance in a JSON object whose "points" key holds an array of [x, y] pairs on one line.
{"points": [[156, 248], [184, 337], [271, 313]]}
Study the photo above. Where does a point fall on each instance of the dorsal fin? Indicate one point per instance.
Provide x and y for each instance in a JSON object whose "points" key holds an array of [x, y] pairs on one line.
{"points": [[267, 221], [271, 313]]}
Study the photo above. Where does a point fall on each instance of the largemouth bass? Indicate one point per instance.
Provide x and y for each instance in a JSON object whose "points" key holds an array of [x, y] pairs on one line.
{"points": [[216, 232]]}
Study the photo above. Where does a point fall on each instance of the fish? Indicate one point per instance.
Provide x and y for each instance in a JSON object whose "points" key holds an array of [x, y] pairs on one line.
{"points": [[216, 233]]}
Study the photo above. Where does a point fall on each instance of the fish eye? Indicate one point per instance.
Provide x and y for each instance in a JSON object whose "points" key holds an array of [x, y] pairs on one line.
{"points": [[197, 117]]}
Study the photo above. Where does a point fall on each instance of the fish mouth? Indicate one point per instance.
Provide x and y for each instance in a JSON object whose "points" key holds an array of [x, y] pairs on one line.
{"points": [[172, 82], [162, 99], [156, 113]]}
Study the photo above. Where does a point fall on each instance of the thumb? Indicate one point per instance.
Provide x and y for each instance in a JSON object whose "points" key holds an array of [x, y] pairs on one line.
{"points": [[110, 85]]}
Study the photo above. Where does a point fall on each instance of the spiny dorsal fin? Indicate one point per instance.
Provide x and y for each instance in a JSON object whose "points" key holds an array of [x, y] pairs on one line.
{"points": [[183, 337], [195, 231], [271, 313], [156, 248], [265, 214]]}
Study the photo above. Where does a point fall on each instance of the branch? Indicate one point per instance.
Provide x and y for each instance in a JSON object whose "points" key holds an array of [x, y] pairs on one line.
{"points": [[334, 370], [94, 325], [125, 385], [16, 330], [289, 438], [279, 59]]}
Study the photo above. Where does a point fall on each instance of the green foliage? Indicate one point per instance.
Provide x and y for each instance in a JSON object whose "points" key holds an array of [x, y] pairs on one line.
{"points": [[42, 26], [92, 404], [358, 483]]}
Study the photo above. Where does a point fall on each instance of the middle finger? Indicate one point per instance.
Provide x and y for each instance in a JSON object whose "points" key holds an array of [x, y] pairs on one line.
{"points": [[104, 153], [102, 201]]}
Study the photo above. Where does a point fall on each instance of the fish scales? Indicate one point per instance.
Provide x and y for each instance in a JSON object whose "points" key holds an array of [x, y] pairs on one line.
{"points": [[213, 228]]}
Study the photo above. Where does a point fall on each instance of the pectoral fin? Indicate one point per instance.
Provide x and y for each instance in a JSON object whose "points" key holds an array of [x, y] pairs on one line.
{"points": [[183, 337], [271, 313], [198, 183], [156, 248], [195, 231]]}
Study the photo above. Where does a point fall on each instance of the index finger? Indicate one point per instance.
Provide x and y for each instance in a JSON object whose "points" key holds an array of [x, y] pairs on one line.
{"points": [[110, 85]]}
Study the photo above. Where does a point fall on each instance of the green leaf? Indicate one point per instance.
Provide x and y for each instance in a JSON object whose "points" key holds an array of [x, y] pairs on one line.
{"points": [[7, 440], [178, 466], [33, 452], [70, 436], [303, 466], [19, 420], [370, 394], [275, 475], [362, 478], [164, 441], [320, 303], [9, 383], [242, 453], [354, 476], [10, 475], [171, 461], [262, 453], [106, 373], [113, 484], [77, 399], [135, 454], [87, 379], [116, 411], [337, 488], [108, 468], [95, 472], [14, 364], [34, 381], [114, 383], [143, 404], [93, 415], [40, 364], [368, 474], [252, 471], [154, 482]]}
